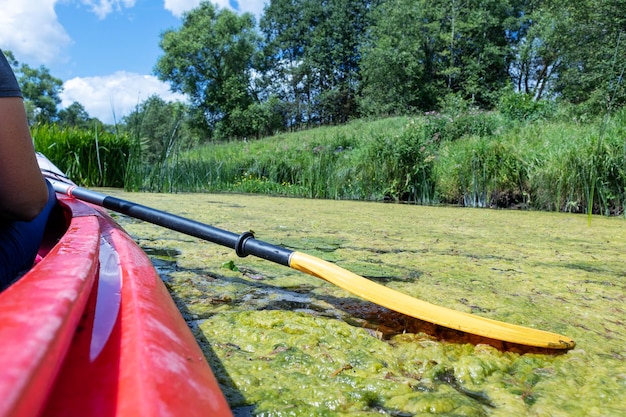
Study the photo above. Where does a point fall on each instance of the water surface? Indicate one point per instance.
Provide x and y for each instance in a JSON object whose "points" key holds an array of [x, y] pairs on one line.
{"points": [[286, 344]]}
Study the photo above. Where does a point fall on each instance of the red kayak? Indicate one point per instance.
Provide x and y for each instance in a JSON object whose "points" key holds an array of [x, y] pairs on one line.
{"points": [[92, 331]]}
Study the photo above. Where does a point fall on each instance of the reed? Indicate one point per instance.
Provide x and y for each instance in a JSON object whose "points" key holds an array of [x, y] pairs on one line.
{"points": [[472, 159], [89, 157], [573, 170], [482, 172]]}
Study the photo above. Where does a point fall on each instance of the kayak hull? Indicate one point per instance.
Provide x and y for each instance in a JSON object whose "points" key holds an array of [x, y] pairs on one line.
{"points": [[92, 330]]}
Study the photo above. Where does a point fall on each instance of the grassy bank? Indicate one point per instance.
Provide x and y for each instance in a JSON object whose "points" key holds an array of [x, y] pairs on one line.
{"points": [[475, 159]]}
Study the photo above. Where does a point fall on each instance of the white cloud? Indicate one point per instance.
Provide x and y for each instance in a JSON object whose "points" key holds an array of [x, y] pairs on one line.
{"points": [[103, 7], [30, 29], [111, 97], [178, 7], [255, 7]]}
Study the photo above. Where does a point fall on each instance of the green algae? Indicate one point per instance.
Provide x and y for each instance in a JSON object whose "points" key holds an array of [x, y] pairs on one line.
{"points": [[283, 343]]}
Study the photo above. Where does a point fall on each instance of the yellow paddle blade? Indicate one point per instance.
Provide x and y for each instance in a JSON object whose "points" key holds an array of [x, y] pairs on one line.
{"points": [[402, 303]]}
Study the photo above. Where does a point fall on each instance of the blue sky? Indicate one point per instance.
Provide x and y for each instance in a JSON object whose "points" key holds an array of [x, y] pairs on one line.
{"points": [[122, 41], [103, 50]]}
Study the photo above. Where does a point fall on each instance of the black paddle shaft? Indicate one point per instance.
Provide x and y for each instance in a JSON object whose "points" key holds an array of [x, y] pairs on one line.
{"points": [[244, 244]]}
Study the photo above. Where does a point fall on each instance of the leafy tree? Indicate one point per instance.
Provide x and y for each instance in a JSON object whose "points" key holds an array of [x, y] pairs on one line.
{"points": [[418, 52], [335, 56], [75, 115], [41, 93], [397, 70], [11, 59], [594, 56], [210, 59], [479, 50], [574, 50], [287, 31], [314, 49], [259, 119], [159, 126], [543, 34]]}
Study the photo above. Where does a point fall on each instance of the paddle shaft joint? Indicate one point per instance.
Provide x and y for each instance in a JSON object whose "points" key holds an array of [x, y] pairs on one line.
{"points": [[240, 246]]}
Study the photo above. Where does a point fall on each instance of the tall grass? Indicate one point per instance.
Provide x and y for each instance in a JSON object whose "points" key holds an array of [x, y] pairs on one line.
{"points": [[318, 163], [482, 172], [472, 159], [89, 157], [575, 168]]}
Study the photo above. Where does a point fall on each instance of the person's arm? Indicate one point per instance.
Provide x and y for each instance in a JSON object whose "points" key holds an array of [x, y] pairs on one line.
{"points": [[23, 192]]}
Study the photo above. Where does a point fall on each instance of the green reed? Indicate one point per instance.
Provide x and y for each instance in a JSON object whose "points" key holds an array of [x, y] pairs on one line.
{"points": [[482, 172], [89, 157], [571, 170], [478, 159]]}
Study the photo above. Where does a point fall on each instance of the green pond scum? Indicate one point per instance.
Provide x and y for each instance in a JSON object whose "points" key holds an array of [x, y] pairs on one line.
{"points": [[283, 343]]}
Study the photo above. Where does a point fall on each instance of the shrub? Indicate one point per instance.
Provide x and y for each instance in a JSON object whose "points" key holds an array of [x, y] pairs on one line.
{"points": [[481, 172], [450, 127], [404, 164], [522, 107], [585, 174]]}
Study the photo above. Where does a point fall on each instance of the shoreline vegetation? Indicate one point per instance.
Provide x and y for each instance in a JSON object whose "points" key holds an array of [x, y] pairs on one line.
{"points": [[546, 158]]}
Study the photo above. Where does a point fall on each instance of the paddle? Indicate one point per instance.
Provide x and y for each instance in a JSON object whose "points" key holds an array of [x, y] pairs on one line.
{"points": [[245, 244]]}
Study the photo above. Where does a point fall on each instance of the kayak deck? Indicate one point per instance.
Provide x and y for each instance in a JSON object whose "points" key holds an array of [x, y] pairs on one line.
{"points": [[92, 330]]}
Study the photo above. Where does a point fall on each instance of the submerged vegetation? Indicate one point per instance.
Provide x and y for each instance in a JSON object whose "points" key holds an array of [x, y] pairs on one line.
{"points": [[498, 104], [283, 343]]}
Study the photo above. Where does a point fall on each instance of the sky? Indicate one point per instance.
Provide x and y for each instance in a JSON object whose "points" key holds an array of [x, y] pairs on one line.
{"points": [[104, 51]]}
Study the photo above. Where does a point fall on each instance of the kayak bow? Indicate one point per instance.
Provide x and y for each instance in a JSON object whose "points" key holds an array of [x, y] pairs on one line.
{"points": [[91, 329]]}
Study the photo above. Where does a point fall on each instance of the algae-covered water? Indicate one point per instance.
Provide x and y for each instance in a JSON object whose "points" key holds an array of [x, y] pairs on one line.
{"points": [[283, 343]]}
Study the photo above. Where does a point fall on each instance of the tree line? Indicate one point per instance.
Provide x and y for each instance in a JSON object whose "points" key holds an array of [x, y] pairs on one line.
{"points": [[312, 62], [307, 63]]}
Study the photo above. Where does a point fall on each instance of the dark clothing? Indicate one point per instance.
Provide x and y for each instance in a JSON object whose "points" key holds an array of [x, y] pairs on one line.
{"points": [[8, 83], [19, 241]]}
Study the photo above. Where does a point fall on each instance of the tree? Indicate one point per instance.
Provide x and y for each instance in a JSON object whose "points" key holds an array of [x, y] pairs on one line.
{"points": [[594, 53], [41, 93], [479, 49], [39, 88], [541, 35], [397, 70], [75, 115], [335, 56], [314, 49], [417, 52], [11, 59], [286, 27], [574, 50], [210, 58], [158, 126]]}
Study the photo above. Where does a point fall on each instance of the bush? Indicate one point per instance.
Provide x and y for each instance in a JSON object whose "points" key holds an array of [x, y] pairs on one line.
{"points": [[522, 107], [586, 174], [450, 127], [481, 172], [404, 163]]}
